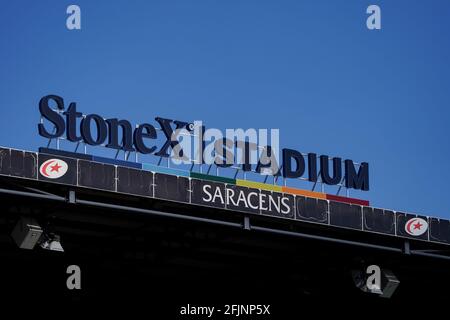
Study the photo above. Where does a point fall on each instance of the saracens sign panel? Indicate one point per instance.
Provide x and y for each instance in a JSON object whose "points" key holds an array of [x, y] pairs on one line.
{"points": [[95, 130], [233, 197]]}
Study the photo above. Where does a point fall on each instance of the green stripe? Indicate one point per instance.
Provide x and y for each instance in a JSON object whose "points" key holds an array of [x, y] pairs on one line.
{"points": [[202, 176]]}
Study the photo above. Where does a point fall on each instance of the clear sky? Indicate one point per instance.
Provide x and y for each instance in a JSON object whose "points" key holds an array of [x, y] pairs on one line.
{"points": [[308, 67]]}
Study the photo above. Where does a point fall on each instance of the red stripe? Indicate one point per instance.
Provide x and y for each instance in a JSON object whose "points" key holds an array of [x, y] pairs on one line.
{"points": [[347, 200]]}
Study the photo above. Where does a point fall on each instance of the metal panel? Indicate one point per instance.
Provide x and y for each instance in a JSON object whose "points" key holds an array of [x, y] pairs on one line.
{"points": [[23, 164], [96, 175], [403, 219], [242, 199], [208, 193], [439, 230], [134, 181], [345, 215], [378, 220], [311, 209], [5, 161], [171, 187], [277, 204], [69, 177]]}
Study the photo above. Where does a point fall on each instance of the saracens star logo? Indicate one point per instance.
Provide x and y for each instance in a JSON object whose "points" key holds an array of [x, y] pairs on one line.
{"points": [[53, 168], [416, 226]]}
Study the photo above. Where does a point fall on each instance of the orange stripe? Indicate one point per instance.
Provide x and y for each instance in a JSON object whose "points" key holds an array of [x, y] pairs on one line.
{"points": [[305, 193]]}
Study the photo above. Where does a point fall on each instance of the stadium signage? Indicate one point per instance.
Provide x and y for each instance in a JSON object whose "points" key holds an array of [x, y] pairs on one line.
{"points": [[245, 199], [249, 200], [201, 190], [53, 168], [416, 226], [106, 133]]}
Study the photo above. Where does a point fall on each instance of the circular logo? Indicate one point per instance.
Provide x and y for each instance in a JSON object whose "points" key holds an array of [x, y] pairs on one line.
{"points": [[53, 168], [416, 226]]}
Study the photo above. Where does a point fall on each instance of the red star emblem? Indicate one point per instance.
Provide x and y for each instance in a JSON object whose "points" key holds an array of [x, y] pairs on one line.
{"points": [[418, 225], [55, 167]]}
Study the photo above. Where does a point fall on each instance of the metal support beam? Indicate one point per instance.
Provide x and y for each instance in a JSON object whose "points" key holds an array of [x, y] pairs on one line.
{"points": [[406, 248], [247, 223], [72, 196]]}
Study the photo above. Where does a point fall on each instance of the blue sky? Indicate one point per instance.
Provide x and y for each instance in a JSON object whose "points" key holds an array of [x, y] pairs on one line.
{"points": [[310, 68]]}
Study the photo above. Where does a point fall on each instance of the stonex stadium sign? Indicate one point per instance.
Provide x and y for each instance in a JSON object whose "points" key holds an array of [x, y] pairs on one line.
{"points": [[224, 152], [230, 191], [189, 185]]}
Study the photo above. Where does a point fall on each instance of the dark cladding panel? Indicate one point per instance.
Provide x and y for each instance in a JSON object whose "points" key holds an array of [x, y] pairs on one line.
{"points": [[412, 226], [242, 198], [345, 215], [30, 163], [378, 220], [96, 175], [24, 164], [311, 209], [133, 181], [208, 193], [57, 169], [5, 161], [276, 204], [171, 187], [439, 230]]}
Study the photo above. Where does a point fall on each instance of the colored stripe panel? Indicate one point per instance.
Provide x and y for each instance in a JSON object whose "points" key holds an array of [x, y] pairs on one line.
{"points": [[197, 175], [165, 170], [259, 185], [347, 200], [116, 162], [68, 154], [306, 193]]}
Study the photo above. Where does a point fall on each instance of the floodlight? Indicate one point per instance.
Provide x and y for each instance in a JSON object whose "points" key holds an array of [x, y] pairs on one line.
{"points": [[52, 242], [26, 233]]}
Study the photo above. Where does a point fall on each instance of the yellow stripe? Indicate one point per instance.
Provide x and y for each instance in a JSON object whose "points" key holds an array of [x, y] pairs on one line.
{"points": [[258, 185]]}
